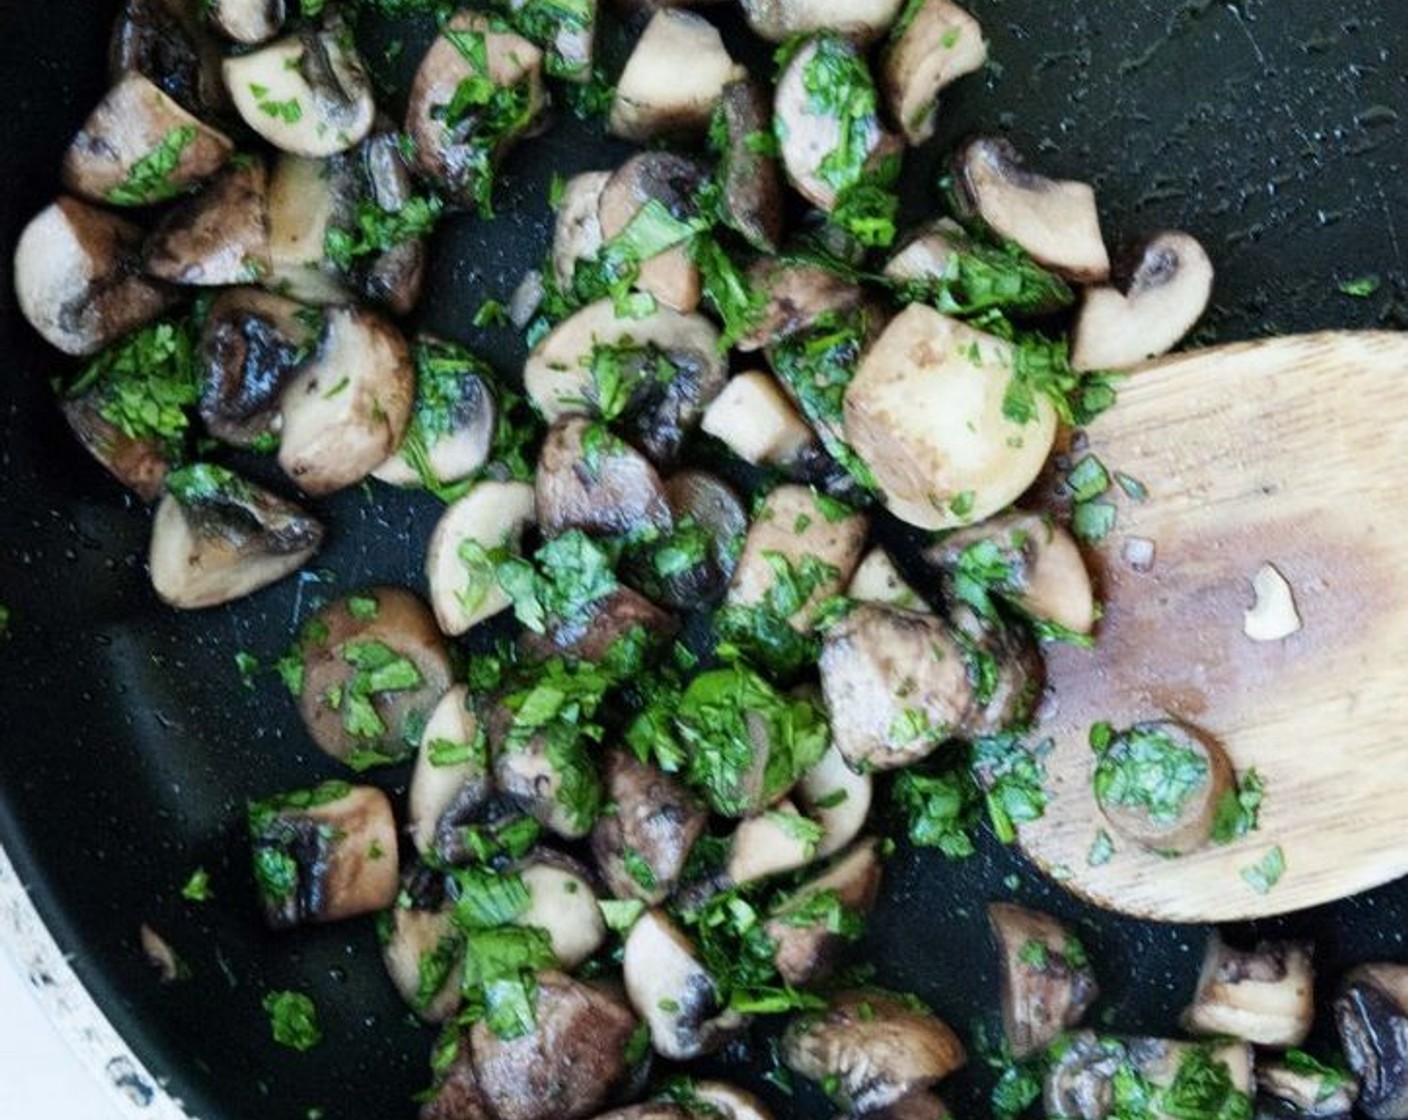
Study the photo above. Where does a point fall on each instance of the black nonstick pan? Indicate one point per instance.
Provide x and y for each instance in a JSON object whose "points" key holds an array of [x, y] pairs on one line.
{"points": [[1274, 130]]}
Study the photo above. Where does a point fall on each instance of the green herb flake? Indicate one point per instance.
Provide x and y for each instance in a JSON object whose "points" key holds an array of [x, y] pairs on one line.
{"points": [[150, 178], [1263, 875], [375, 230], [1361, 287], [293, 1018], [197, 887], [1102, 849], [1237, 810], [247, 665]]}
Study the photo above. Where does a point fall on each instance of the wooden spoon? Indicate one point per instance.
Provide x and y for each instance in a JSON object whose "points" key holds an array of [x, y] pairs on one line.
{"points": [[1291, 452]]}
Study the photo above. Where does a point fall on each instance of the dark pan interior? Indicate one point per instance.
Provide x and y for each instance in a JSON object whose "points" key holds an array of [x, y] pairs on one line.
{"points": [[1272, 129]]}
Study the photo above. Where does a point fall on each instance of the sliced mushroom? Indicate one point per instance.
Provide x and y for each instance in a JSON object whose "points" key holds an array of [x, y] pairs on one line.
{"points": [[796, 295], [928, 412], [674, 78], [451, 782], [1053, 220], [567, 32], [219, 236], [1159, 1062], [216, 538], [305, 197], [1294, 1089], [577, 234], [1168, 291], [453, 421], [692, 566], [809, 928], [1159, 784], [641, 847], [307, 94], [555, 783], [249, 22], [568, 1067], [877, 580], [753, 201], [939, 44], [661, 179], [780, 20], [1371, 1015], [166, 41], [837, 798], [756, 420], [459, 154], [461, 564], [139, 146], [349, 405], [673, 992], [896, 686], [652, 1110], [138, 463], [1265, 996], [250, 347], [1005, 669], [588, 479], [873, 1048], [1047, 982], [424, 953], [775, 841], [77, 280], [324, 854], [374, 668], [603, 626], [1080, 1081]]}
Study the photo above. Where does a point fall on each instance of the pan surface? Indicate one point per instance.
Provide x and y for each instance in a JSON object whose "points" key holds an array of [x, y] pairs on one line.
{"points": [[1274, 130]]}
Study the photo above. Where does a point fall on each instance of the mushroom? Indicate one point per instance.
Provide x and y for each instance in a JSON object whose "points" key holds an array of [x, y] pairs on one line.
{"points": [[1160, 1061], [1294, 1088], [562, 903], [1081, 1078], [589, 479], [461, 123], [460, 563], [1265, 996], [1047, 982], [1053, 220], [809, 927], [455, 1093], [554, 782], [323, 854], [877, 580], [642, 846], [657, 179], [305, 198], [450, 783], [752, 200], [795, 296], [1159, 783], [873, 1048], [651, 1110], [828, 144], [936, 44], [423, 950], [566, 31], [727, 1102], [673, 79], [139, 146], [673, 992], [692, 566], [219, 236], [577, 232], [248, 22], [929, 413], [1371, 1015], [1005, 669], [837, 798], [251, 345], [780, 20], [773, 842], [167, 42], [756, 420], [77, 279], [453, 421], [307, 93], [601, 627], [138, 462], [915, 1106], [1042, 572], [374, 668], [1167, 293], [217, 538], [568, 1066], [896, 685], [348, 406]]}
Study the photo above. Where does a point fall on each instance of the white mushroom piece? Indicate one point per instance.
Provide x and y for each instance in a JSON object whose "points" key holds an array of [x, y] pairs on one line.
{"points": [[1053, 220], [217, 538], [673, 79], [728, 1102], [247, 22], [1166, 294], [422, 949], [348, 407], [690, 568], [915, 1106], [451, 782], [812, 925], [929, 412], [577, 230], [139, 147], [935, 44], [472, 535], [1292, 1088], [872, 1050], [1371, 1016], [877, 580], [756, 420], [1265, 996], [219, 236], [306, 196], [169, 43], [553, 780], [561, 903], [655, 180], [307, 94], [773, 842], [567, 32], [77, 277], [837, 798], [794, 296], [673, 992], [780, 20], [1047, 982]]}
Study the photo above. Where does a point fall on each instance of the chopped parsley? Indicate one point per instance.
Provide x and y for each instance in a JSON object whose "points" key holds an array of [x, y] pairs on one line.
{"points": [[1237, 810], [979, 277], [289, 111], [1266, 872], [1013, 779], [1361, 287], [1102, 849], [197, 887], [551, 24], [1146, 769], [566, 577], [379, 669], [375, 230], [293, 1018], [940, 805], [149, 179], [763, 632]]}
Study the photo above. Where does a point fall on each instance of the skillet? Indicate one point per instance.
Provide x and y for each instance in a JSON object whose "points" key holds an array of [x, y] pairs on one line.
{"points": [[1274, 130]]}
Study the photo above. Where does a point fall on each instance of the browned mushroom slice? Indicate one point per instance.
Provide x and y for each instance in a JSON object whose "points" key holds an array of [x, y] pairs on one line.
{"points": [[423, 950], [323, 854], [305, 198], [248, 22], [837, 798], [665, 180], [896, 684], [1005, 669], [811, 927], [451, 781], [219, 236], [605, 625], [727, 1102], [1047, 982], [563, 904], [642, 845], [753, 201], [577, 233], [1167, 293], [347, 409], [216, 538], [773, 842], [77, 279], [915, 1106], [795, 296], [780, 20], [478, 90], [1371, 1015], [566, 31], [373, 669], [460, 562], [138, 462], [757, 421], [1053, 220], [455, 1093], [1266, 996], [651, 1110], [139, 146], [936, 44], [873, 1048], [674, 78], [1298, 1088], [692, 566], [1159, 783], [166, 41], [553, 780], [569, 1066], [589, 479], [1080, 1080], [673, 992]]}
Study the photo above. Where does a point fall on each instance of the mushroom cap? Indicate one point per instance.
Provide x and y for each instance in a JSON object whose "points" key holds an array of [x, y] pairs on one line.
{"points": [[673, 79], [219, 236], [607, 489], [753, 201], [780, 20], [940, 44], [166, 41], [490, 515]]}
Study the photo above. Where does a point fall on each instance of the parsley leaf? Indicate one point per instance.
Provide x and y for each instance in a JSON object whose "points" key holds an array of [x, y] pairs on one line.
{"points": [[149, 178], [377, 230], [293, 1017]]}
